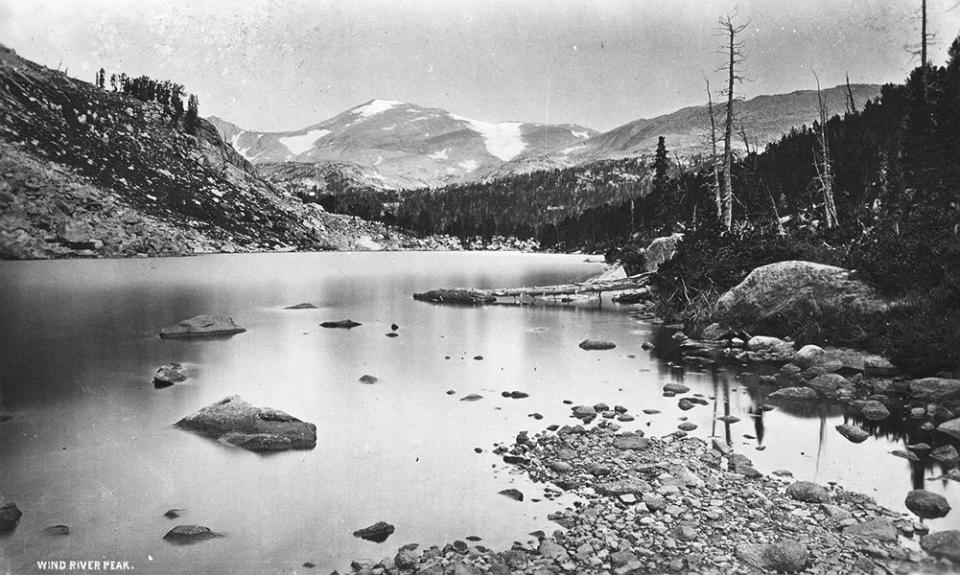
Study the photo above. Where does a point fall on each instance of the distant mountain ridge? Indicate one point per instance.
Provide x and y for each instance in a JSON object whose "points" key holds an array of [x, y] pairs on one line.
{"points": [[405, 144], [686, 132], [387, 144]]}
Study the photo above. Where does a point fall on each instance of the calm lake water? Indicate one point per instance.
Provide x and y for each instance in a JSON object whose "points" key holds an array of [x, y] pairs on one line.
{"points": [[91, 445]]}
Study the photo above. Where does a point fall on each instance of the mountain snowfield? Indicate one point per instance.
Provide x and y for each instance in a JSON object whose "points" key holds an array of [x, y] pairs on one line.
{"points": [[407, 145]]}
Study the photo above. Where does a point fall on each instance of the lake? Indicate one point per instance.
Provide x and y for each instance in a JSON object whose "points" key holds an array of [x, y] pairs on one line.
{"points": [[90, 442]]}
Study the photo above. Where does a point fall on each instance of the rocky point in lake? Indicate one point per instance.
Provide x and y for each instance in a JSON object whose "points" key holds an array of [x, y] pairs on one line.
{"points": [[235, 421]]}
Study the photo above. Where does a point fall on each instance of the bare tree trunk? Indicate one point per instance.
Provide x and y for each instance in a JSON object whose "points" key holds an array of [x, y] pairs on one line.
{"points": [[824, 171], [733, 49], [713, 157], [851, 103]]}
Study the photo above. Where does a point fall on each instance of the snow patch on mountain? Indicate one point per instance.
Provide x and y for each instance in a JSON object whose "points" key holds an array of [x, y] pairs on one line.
{"points": [[302, 143], [441, 155], [374, 107], [581, 135], [502, 140], [469, 165]]}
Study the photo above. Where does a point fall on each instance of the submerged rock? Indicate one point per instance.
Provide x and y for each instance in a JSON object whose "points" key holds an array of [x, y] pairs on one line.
{"points": [[202, 326], [302, 306], [235, 421], [188, 534], [927, 505], [378, 532], [596, 344], [168, 375], [172, 513], [57, 530], [874, 410], [343, 323], [10, 516]]}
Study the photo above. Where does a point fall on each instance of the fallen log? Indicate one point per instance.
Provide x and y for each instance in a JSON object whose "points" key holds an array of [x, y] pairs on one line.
{"points": [[465, 296]]}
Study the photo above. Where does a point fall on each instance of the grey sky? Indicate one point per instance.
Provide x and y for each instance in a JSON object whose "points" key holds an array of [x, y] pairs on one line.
{"points": [[272, 65]]}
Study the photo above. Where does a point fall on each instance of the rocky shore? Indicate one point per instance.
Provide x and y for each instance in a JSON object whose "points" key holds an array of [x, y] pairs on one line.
{"points": [[676, 504]]}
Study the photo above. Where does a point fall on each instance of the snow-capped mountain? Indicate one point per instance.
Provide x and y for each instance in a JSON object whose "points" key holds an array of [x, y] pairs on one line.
{"points": [[406, 144]]}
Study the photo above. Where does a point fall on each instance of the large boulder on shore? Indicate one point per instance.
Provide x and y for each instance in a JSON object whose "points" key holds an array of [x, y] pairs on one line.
{"points": [[777, 294], [935, 389], [951, 427], [661, 250], [235, 421], [202, 326]]}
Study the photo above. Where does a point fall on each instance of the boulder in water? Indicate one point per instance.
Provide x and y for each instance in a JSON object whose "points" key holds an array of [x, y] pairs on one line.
{"points": [[853, 433], [235, 421], [596, 344], [378, 532], [302, 306], [202, 326], [168, 375], [927, 505], [188, 534], [343, 323], [10, 516]]}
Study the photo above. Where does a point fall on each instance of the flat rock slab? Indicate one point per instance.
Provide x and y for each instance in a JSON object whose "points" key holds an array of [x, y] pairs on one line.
{"points": [[235, 421], [378, 532], [202, 326], [189, 534], [302, 306], [342, 323]]}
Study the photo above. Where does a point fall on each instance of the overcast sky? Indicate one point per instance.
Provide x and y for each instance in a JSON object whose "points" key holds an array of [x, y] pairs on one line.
{"points": [[282, 65]]}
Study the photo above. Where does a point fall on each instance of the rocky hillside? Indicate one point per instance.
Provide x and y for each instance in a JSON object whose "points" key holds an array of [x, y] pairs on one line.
{"points": [[765, 119], [90, 172], [403, 145]]}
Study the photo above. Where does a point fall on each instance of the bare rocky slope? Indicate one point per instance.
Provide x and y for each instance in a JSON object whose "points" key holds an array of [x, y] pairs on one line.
{"points": [[90, 172]]}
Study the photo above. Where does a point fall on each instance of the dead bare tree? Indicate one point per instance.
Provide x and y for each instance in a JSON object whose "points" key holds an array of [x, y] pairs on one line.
{"points": [[733, 48], [822, 161], [713, 147], [851, 103]]}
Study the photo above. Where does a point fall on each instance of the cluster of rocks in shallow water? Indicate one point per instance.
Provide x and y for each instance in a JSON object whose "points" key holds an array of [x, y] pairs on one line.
{"points": [[653, 505]]}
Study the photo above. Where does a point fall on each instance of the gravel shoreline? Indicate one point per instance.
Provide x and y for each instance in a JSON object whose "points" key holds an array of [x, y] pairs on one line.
{"points": [[676, 504]]}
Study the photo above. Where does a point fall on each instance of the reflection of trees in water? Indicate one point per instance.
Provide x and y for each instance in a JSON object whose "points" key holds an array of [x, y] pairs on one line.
{"points": [[908, 432], [893, 429]]}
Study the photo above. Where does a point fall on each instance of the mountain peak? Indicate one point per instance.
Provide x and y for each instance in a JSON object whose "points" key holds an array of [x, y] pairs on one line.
{"points": [[374, 107]]}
